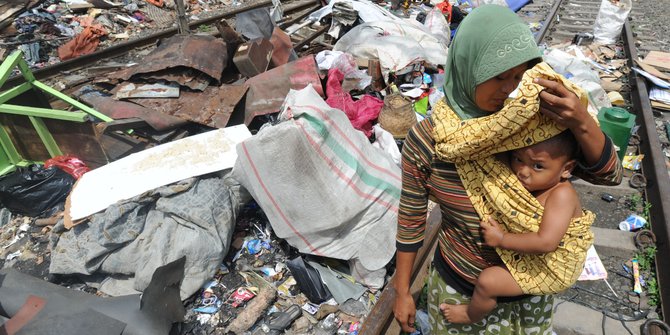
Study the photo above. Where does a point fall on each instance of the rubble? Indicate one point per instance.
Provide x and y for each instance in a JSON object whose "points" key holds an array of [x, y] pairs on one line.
{"points": [[298, 237]]}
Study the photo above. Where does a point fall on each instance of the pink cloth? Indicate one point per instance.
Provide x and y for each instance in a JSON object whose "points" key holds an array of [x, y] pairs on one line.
{"points": [[361, 113]]}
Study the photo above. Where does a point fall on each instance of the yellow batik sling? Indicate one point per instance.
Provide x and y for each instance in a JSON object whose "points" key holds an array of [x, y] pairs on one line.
{"points": [[494, 189]]}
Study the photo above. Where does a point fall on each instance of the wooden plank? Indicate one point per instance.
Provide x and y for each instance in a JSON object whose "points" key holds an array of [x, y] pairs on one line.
{"points": [[9, 12], [415, 289], [381, 319]]}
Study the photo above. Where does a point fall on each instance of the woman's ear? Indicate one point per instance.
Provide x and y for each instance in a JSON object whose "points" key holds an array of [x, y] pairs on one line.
{"points": [[567, 168]]}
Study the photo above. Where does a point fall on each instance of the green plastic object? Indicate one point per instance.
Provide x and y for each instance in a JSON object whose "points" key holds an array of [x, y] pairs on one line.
{"points": [[421, 106], [617, 123]]}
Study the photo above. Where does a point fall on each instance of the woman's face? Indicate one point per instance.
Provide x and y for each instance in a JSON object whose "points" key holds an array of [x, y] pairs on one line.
{"points": [[491, 94]]}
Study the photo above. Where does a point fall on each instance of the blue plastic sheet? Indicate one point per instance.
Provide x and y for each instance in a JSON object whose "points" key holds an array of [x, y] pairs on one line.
{"points": [[515, 5]]}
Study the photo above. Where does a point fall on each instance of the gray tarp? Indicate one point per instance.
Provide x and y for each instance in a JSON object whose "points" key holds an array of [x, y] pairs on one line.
{"points": [[193, 218]]}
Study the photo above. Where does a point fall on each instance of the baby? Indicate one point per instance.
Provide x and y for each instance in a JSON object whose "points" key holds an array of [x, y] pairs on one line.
{"points": [[543, 169]]}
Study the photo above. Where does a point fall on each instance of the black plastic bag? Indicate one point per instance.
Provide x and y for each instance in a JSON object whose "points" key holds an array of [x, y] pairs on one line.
{"points": [[34, 190], [308, 281]]}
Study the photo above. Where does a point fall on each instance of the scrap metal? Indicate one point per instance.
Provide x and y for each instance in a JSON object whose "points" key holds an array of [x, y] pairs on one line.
{"points": [[180, 52], [268, 90], [211, 107]]}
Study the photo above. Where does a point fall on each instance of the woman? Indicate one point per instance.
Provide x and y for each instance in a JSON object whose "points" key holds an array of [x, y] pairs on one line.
{"points": [[488, 57]]}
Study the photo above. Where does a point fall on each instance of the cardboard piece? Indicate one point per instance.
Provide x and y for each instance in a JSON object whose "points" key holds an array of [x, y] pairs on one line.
{"points": [[658, 59], [610, 85], [652, 70], [660, 105]]}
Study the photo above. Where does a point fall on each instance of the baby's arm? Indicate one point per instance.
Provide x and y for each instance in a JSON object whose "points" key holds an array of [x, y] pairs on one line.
{"points": [[558, 212]]}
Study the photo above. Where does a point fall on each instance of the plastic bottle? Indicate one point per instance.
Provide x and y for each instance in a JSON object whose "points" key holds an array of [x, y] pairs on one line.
{"points": [[617, 123]]}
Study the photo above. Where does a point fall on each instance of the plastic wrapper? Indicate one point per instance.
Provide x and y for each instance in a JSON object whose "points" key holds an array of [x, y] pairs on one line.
{"points": [[68, 163], [240, 296]]}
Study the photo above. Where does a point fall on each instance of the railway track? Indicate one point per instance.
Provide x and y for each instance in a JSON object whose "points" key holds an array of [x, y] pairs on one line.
{"points": [[552, 21], [297, 8], [572, 17]]}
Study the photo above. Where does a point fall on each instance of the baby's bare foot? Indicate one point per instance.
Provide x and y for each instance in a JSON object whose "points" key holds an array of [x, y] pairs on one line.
{"points": [[455, 313]]}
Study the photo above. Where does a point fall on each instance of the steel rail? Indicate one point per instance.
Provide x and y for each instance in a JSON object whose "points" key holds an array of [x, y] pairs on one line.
{"points": [[122, 48], [310, 38], [655, 170], [548, 21]]}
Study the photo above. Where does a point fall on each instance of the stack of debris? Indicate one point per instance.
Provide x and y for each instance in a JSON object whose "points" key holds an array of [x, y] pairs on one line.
{"points": [[277, 197], [176, 173]]}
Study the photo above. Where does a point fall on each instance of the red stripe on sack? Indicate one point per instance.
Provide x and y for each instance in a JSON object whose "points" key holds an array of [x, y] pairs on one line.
{"points": [[341, 174], [339, 131]]}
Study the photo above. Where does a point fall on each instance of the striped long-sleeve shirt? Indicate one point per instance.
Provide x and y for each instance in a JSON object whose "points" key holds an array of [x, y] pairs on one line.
{"points": [[461, 245]]}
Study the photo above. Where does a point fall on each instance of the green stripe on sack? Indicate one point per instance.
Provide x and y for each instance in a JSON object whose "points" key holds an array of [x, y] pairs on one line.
{"points": [[367, 178]]}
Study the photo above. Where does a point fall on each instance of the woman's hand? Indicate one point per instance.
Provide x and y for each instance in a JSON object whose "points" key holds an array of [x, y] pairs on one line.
{"points": [[493, 235], [564, 107], [404, 311]]}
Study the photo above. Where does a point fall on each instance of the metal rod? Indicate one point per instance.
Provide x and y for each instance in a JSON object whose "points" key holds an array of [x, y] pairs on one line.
{"points": [[655, 170], [182, 20], [299, 17]]}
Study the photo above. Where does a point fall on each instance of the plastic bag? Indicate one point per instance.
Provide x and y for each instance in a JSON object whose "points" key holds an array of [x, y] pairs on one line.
{"points": [[308, 280], [34, 190], [438, 26], [610, 20], [68, 163], [386, 142], [361, 112], [581, 74], [347, 65]]}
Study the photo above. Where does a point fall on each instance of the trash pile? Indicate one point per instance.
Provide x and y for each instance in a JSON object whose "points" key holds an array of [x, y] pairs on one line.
{"points": [[51, 31], [258, 183], [266, 179]]}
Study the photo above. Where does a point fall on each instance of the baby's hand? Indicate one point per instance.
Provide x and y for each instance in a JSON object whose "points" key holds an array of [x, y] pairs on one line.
{"points": [[493, 235]]}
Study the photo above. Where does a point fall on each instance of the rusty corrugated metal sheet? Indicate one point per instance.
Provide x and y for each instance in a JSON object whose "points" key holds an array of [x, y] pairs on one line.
{"points": [[211, 107], [190, 78], [268, 90], [124, 110], [282, 50], [204, 53]]}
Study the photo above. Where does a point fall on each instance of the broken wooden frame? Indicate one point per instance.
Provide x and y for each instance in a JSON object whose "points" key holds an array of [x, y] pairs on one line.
{"points": [[10, 158]]}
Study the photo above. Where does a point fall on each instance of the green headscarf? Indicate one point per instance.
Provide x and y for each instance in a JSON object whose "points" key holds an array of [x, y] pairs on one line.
{"points": [[489, 41]]}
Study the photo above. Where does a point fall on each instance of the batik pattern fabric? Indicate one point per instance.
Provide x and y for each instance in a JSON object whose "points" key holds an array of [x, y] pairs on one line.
{"points": [[531, 315], [496, 192]]}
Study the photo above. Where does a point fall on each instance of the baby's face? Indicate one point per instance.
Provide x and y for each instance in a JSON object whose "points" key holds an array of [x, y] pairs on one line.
{"points": [[537, 169]]}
